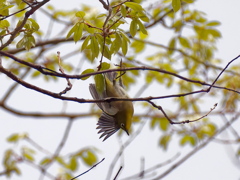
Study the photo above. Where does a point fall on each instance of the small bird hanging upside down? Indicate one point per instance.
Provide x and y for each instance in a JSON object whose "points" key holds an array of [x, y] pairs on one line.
{"points": [[116, 114]]}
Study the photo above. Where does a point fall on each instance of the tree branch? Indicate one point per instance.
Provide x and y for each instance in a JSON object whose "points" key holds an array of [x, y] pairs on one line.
{"points": [[95, 165], [195, 150], [18, 28], [60, 146], [50, 72]]}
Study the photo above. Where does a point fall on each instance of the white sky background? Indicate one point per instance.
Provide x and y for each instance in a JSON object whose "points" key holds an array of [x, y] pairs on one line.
{"points": [[213, 162]]}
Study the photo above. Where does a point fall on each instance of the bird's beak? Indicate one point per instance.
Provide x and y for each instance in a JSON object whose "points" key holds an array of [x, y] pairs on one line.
{"points": [[127, 132]]}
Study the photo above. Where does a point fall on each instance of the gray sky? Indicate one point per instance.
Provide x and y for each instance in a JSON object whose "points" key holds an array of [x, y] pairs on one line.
{"points": [[213, 162]]}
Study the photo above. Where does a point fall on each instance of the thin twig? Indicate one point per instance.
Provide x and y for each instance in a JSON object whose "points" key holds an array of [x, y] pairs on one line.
{"points": [[47, 115], [120, 3], [155, 167], [5, 17], [69, 87], [182, 52], [95, 165], [59, 147], [195, 150], [125, 145], [117, 173], [20, 26], [37, 146], [222, 72], [180, 122]]}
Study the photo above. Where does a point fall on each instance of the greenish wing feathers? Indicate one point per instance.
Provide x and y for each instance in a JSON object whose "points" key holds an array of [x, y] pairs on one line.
{"points": [[104, 106]]}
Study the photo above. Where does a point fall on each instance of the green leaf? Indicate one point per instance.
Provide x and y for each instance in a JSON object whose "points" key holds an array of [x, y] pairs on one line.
{"points": [[164, 124], [13, 138], [188, 139], [107, 53], [215, 33], [16, 170], [100, 83], [61, 161], [124, 36], [28, 156], [73, 164], [36, 74], [105, 66], [34, 25], [78, 32], [101, 15], [124, 46], [72, 30], [27, 153], [134, 6], [4, 10], [87, 71], [172, 45], [45, 161], [209, 129], [164, 141], [94, 47], [4, 24], [142, 27], [88, 29], [154, 122], [118, 39], [27, 42], [213, 23], [138, 46], [123, 11], [16, 137], [144, 17], [89, 157], [176, 5], [184, 42], [142, 36], [133, 28], [85, 43], [116, 44], [80, 14]]}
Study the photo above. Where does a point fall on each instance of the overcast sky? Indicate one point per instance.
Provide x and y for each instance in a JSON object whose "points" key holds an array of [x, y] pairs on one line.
{"points": [[213, 162]]}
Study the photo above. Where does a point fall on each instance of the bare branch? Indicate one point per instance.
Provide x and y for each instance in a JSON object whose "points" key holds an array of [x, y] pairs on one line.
{"points": [[180, 122], [37, 146], [123, 147], [69, 87], [207, 64], [95, 165], [47, 115], [195, 150], [117, 173], [104, 4], [59, 148], [222, 72], [155, 167]]}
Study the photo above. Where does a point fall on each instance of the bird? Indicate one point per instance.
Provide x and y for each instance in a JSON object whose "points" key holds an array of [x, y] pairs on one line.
{"points": [[115, 114]]}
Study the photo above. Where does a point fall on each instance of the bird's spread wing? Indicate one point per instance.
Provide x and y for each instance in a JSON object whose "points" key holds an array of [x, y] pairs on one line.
{"points": [[104, 106], [107, 125]]}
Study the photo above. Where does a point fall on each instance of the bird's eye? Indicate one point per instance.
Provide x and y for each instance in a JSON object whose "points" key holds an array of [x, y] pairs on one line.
{"points": [[122, 125]]}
